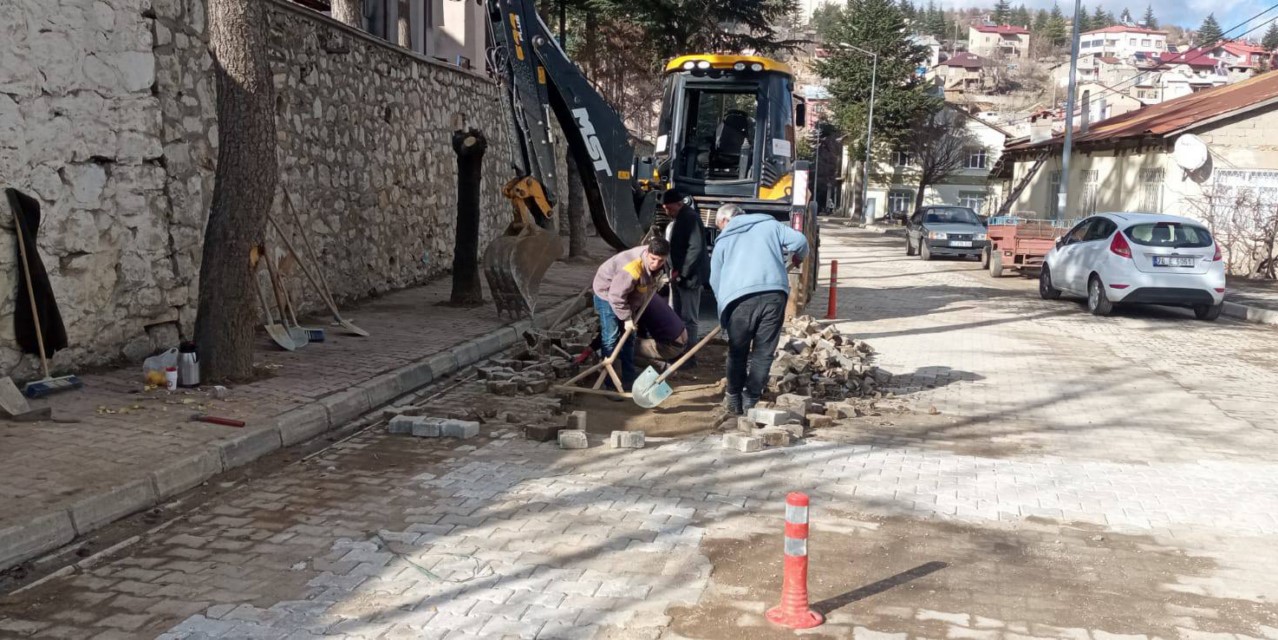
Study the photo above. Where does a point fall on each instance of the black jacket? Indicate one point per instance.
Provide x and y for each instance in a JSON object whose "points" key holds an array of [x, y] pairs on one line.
{"points": [[688, 254]]}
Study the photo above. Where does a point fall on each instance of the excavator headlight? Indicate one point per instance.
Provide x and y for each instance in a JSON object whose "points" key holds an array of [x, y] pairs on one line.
{"points": [[689, 65], [756, 67], [704, 64], [740, 66]]}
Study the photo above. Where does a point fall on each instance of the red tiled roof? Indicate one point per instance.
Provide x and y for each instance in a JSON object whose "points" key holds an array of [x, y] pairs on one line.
{"points": [[1123, 29], [965, 60], [1191, 57], [1242, 47], [1175, 115], [1004, 29]]}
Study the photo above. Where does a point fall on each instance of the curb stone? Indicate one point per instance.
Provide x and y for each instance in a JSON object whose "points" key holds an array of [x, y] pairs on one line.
{"points": [[1254, 315], [45, 532]]}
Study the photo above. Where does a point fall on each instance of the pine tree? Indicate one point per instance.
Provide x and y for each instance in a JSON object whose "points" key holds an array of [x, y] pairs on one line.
{"points": [[1040, 22], [1209, 33], [1150, 21], [1022, 17], [1084, 20], [934, 22], [1270, 41], [1126, 17], [1100, 19], [907, 12], [1002, 12], [1056, 27]]}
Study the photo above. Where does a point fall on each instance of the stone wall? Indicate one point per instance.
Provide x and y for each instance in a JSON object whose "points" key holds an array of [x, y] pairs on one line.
{"points": [[108, 116]]}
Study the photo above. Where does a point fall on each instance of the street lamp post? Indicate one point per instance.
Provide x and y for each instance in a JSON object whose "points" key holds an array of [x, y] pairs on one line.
{"points": [[869, 126]]}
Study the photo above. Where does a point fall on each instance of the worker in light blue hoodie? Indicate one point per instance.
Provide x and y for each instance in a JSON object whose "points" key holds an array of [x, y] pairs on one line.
{"points": [[749, 278]]}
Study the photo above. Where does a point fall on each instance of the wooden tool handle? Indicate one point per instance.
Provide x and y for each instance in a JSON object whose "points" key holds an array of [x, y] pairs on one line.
{"points": [[35, 315], [687, 356]]}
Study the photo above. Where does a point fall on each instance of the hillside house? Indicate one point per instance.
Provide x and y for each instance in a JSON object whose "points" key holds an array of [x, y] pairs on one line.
{"points": [[999, 41]]}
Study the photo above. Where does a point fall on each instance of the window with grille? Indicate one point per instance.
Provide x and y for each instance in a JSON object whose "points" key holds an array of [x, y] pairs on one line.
{"points": [[903, 158], [1087, 206], [1151, 187], [1238, 188], [900, 201], [1053, 201], [974, 200], [977, 159]]}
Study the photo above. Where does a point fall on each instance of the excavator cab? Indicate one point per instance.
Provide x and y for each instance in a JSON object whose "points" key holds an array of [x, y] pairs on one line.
{"points": [[727, 132]]}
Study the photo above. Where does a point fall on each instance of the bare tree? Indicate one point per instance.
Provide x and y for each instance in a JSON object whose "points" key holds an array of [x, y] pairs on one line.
{"points": [[243, 187], [348, 12], [939, 145], [1244, 222], [576, 211]]}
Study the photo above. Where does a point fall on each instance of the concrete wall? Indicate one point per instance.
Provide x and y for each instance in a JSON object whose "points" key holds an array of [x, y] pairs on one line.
{"points": [[1245, 142], [108, 117]]}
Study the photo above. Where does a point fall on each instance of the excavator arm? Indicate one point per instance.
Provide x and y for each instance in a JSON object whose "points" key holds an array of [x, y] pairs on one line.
{"points": [[541, 82]]}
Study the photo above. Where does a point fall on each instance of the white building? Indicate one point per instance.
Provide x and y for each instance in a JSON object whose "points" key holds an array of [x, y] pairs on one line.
{"points": [[894, 180], [1123, 42]]}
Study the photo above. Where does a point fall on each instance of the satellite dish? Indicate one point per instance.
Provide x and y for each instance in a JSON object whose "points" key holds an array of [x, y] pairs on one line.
{"points": [[1190, 152]]}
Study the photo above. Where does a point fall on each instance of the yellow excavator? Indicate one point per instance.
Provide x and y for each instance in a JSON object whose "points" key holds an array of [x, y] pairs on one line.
{"points": [[726, 134]]}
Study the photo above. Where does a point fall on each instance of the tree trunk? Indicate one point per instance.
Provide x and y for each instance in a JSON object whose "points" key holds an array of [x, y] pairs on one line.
{"points": [[918, 197], [243, 188], [469, 146], [348, 12], [576, 212]]}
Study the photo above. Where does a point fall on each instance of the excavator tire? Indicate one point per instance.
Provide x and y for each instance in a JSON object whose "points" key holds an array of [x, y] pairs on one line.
{"points": [[514, 265]]}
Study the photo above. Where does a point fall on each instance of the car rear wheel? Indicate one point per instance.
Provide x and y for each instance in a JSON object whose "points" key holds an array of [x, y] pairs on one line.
{"points": [[1208, 312], [924, 251], [909, 248], [1045, 289], [1097, 302]]}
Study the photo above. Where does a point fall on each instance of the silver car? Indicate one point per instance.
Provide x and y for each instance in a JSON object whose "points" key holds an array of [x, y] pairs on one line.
{"points": [[945, 231]]}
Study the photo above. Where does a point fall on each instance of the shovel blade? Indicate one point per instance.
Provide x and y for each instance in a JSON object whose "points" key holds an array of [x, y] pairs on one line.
{"points": [[281, 337], [646, 393], [515, 264]]}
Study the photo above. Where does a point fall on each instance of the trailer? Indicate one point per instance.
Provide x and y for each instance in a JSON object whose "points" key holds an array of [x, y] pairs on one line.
{"points": [[1019, 242]]}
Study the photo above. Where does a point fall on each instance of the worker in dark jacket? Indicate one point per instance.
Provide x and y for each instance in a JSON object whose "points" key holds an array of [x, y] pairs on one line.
{"points": [[689, 261]]}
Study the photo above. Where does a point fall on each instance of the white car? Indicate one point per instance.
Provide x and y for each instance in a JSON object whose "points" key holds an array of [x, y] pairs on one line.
{"points": [[1137, 258]]}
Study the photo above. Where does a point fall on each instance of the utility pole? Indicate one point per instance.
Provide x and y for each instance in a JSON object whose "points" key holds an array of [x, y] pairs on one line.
{"points": [[1062, 197]]}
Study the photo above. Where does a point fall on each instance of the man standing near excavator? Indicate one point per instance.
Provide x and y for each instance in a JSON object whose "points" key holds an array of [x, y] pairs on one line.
{"points": [[621, 286], [749, 279], [689, 262]]}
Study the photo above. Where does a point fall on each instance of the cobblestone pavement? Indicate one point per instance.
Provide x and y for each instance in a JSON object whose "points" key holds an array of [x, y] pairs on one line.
{"points": [[120, 434], [1091, 479]]}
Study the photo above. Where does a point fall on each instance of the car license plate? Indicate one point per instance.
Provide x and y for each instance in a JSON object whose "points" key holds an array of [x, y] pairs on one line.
{"points": [[960, 243], [1173, 261]]}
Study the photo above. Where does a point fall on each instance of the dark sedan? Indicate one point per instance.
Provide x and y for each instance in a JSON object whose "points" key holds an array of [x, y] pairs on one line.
{"points": [[945, 231]]}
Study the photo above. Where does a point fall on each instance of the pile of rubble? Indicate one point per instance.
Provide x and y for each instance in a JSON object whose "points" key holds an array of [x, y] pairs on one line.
{"points": [[823, 363]]}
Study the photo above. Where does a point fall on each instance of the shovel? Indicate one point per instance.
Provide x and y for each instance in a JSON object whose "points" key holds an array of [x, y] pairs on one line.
{"points": [[298, 335], [320, 283], [278, 333], [650, 389]]}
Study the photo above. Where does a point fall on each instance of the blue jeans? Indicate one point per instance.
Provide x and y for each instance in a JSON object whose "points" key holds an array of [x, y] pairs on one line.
{"points": [[612, 327]]}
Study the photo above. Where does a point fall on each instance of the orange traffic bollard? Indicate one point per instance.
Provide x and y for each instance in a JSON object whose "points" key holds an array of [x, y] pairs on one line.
{"points": [[834, 290], [793, 611]]}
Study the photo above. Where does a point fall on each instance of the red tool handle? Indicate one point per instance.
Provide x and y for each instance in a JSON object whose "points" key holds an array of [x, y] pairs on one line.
{"points": [[229, 422]]}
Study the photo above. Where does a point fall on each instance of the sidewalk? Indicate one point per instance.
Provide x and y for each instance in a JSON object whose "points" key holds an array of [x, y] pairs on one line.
{"points": [[116, 449]]}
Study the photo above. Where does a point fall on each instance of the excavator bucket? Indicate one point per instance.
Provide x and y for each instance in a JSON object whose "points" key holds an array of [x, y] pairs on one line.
{"points": [[515, 263]]}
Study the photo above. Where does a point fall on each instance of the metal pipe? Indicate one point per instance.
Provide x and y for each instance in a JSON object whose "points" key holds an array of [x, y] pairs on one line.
{"points": [[1062, 194]]}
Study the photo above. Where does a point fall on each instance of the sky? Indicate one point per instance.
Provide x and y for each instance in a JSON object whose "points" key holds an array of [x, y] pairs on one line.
{"points": [[1186, 13]]}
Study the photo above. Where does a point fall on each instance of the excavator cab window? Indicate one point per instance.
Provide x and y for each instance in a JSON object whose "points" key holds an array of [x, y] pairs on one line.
{"points": [[718, 141]]}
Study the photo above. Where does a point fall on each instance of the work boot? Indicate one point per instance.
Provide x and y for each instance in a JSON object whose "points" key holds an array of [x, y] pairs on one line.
{"points": [[748, 403], [732, 402]]}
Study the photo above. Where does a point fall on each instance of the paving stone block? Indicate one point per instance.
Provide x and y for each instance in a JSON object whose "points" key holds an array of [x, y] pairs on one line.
{"points": [[841, 410], [627, 439], [503, 387], [112, 504], [770, 417], [577, 420], [818, 421], [462, 429], [797, 404], [861, 633], [774, 436], [542, 433], [573, 439], [427, 428], [34, 535], [795, 430], [743, 443], [747, 425]]}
